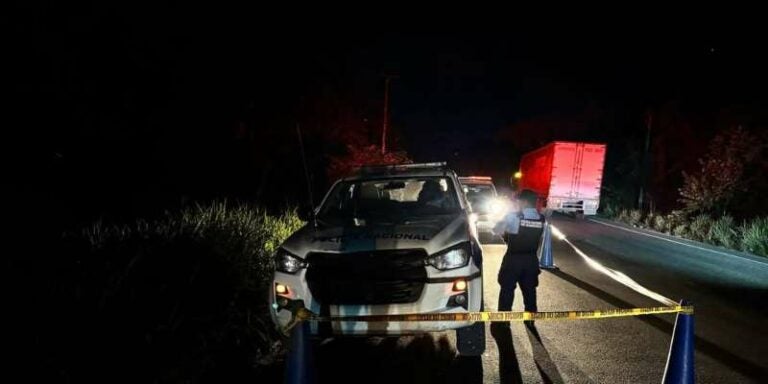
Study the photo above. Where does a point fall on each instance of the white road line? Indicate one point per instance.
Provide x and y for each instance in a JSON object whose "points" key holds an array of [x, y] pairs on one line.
{"points": [[676, 242], [614, 274]]}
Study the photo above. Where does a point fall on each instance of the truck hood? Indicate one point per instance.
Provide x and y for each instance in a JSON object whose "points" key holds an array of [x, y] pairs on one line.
{"points": [[432, 234]]}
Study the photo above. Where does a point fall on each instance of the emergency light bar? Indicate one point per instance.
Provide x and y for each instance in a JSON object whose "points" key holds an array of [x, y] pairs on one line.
{"points": [[484, 178], [367, 169]]}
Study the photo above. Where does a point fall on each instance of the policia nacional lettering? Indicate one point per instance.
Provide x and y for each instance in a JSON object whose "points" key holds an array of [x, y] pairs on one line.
{"points": [[371, 236]]}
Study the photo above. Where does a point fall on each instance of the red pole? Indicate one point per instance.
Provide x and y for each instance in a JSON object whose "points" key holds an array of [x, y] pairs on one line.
{"points": [[386, 117]]}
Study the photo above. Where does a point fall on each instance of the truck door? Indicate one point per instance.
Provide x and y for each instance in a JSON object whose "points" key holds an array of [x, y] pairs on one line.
{"points": [[563, 170], [591, 171]]}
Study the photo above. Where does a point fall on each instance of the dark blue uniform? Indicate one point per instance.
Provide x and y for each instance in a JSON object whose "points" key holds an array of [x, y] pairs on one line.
{"points": [[522, 232]]}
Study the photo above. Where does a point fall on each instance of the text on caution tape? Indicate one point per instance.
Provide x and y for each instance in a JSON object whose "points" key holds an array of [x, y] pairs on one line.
{"points": [[306, 315]]}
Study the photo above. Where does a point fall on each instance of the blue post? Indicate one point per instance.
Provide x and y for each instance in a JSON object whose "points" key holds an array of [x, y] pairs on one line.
{"points": [[680, 367], [545, 251], [299, 366]]}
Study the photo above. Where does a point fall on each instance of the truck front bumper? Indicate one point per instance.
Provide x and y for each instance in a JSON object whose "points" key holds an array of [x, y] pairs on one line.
{"points": [[438, 296], [588, 207]]}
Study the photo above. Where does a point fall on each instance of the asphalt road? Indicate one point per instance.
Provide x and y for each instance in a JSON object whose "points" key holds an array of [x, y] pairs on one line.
{"points": [[728, 292]]}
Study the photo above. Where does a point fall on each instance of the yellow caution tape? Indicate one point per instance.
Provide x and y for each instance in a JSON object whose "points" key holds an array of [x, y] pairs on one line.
{"points": [[305, 315]]}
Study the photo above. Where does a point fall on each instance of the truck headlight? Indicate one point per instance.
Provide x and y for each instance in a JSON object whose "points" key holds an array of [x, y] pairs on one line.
{"points": [[285, 262], [497, 207], [455, 257]]}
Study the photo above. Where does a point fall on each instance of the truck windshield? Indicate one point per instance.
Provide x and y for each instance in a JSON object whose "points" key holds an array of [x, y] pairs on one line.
{"points": [[479, 196], [391, 199]]}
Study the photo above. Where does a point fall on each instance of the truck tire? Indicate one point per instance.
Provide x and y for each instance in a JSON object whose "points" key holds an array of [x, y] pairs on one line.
{"points": [[470, 341]]}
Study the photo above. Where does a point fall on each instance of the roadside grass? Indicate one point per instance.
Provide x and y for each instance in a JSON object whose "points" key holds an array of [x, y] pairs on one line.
{"points": [[649, 220], [661, 223], [700, 228], [681, 230], [754, 236], [182, 298], [724, 232], [751, 236]]}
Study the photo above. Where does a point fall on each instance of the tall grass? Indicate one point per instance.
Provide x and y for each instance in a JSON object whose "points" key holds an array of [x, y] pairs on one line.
{"points": [[754, 236], [750, 237], [681, 230], [724, 232], [247, 233], [635, 217], [699, 228], [177, 298], [648, 220], [623, 215]]}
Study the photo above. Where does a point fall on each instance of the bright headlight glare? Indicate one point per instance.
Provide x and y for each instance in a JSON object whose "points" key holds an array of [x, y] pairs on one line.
{"points": [[285, 262], [454, 258], [497, 207]]}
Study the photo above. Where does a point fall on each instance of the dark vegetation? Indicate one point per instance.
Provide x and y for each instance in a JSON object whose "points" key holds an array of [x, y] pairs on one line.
{"points": [[720, 203], [178, 299]]}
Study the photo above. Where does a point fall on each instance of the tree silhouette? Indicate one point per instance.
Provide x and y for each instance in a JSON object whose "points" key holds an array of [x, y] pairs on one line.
{"points": [[722, 173], [357, 156]]}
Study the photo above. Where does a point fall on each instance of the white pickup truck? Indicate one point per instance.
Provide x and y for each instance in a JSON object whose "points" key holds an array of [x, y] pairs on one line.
{"points": [[488, 207], [388, 240]]}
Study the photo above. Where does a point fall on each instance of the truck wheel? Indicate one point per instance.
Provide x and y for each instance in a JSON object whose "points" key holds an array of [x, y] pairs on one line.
{"points": [[470, 341]]}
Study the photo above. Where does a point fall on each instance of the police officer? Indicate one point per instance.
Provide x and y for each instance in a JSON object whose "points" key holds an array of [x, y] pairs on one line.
{"points": [[521, 228]]}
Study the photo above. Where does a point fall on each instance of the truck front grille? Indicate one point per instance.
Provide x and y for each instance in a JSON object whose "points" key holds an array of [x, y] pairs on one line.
{"points": [[376, 277]]}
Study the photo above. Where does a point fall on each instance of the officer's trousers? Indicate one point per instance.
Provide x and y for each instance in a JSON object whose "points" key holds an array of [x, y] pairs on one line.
{"points": [[507, 296], [522, 270]]}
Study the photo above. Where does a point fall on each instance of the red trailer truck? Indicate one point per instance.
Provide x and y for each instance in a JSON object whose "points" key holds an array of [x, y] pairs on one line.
{"points": [[565, 175]]}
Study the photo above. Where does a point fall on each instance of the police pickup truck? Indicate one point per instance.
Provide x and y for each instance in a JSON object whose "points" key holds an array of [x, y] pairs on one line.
{"points": [[388, 240]]}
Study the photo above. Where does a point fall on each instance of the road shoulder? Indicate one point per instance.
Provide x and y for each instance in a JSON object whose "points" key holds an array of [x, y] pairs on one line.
{"points": [[680, 241]]}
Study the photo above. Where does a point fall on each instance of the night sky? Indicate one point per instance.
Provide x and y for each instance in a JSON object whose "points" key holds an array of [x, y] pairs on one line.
{"points": [[127, 111]]}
